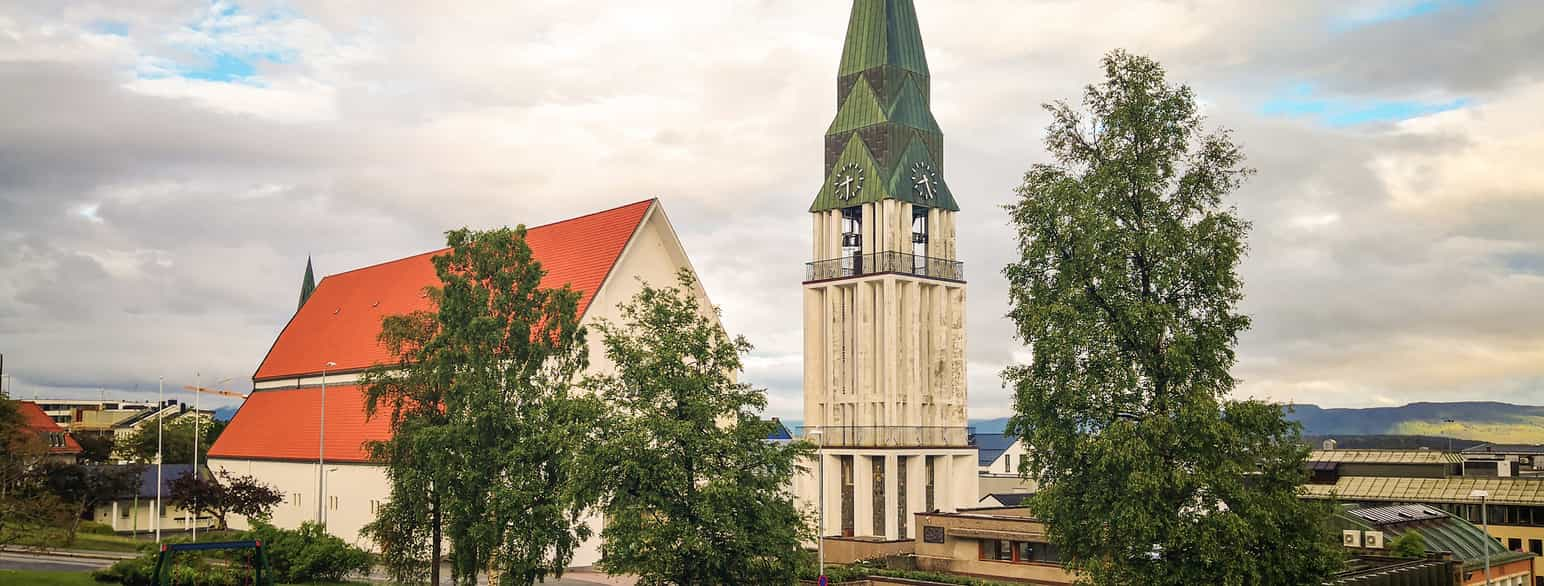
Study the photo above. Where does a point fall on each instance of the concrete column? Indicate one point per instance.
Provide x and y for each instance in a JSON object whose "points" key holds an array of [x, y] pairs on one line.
{"points": [[966, 482], [862, 496], [892, 496], [943, 484], [832, 493], [916, 490]]}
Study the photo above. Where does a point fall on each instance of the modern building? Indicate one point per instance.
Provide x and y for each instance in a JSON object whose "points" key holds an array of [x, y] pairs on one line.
{"points": [[138, 512], [61, 446], [1371, 530], [999, 457], [277, 433], [884, 298], [1503, 460], [1327, 465], [993, 543]]}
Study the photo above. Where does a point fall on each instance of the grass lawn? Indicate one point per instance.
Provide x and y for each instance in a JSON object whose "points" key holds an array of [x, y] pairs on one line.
{"points": [[46, 578], [54, 539]]}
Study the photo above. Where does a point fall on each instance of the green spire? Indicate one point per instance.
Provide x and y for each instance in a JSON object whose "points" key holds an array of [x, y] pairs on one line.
{"points": [[307, 285], [884, 127]]}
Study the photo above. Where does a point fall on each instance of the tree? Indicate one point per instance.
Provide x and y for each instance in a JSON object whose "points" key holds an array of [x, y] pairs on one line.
{"points": [[1126, 292], [242, 495], [500, 470], [695, 494], [176, 441], [25, 502], [95, 448], [1411, 544], [84, 487]]}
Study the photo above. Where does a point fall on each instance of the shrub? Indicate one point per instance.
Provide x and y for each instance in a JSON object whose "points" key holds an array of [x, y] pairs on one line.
{"points": [[309, 554], [187, 568], [94, 528]]}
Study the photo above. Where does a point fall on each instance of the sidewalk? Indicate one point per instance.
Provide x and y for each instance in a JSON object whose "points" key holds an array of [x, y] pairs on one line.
{"points": [[71, 553]]}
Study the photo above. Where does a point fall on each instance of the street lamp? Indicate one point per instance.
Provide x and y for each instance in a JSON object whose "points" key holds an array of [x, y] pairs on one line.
{"points": [[321, 450], [1484, 522], [820, 500]]}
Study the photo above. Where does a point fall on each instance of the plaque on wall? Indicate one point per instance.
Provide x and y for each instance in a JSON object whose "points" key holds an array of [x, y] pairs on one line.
{"points": [[932, 534]]}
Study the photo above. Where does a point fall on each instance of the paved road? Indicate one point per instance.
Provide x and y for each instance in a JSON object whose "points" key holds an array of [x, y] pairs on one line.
{"points": [[62, 562], [54, 563]]}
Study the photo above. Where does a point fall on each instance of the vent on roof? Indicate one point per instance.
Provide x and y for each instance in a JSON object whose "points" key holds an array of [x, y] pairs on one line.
{"points": [[335, 311], [376, 304]]}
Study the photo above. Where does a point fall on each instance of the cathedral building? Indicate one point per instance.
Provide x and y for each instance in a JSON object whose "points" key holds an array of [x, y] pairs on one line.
{"points": [[884, 297], [304, 431]]}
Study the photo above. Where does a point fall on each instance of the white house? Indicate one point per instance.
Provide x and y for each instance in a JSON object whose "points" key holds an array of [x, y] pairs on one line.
{"points": [[277, 433]]}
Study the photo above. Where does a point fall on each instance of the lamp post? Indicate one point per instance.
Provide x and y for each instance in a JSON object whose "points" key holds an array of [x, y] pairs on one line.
{"points": [[820, 500], [1483, 495], [321, 450]]}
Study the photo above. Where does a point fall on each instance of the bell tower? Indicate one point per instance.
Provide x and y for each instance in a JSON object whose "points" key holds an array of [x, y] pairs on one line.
{"points": [[884, 296]]}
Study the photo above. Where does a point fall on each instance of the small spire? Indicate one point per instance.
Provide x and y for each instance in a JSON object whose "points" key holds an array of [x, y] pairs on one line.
{"points": [[307, 285]]}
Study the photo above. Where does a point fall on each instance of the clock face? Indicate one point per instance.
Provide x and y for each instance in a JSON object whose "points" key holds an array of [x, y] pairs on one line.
{"points": [[925, 179], [848, 182]]}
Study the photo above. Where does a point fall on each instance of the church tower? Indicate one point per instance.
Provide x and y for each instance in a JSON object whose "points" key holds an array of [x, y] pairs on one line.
{"points": [[884, 296]]}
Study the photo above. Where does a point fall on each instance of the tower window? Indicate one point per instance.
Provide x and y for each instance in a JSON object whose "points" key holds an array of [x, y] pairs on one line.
{"points": [[919, 239], [852, 231]]}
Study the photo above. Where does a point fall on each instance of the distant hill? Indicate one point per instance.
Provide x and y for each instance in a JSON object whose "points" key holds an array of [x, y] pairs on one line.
{"points": [[1482, 421], [225, 413]]}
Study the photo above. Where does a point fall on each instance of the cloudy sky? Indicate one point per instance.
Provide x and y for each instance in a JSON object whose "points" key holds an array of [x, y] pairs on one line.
{"points": [[167, 165]]}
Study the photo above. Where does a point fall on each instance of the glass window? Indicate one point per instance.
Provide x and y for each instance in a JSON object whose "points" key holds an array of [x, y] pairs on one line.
{"points": [[1514, 544], [1536, 546], [1004, 551], [919, 231], [852, 231]]}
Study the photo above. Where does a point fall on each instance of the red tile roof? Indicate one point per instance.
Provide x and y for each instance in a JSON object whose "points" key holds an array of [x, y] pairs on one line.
{"points": [[340, 323], [343, 317], [41, 423], [284, 425]]}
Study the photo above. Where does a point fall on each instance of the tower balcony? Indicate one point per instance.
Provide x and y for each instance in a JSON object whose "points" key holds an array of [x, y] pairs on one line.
{"points": [[883, 263], [887, 436]]}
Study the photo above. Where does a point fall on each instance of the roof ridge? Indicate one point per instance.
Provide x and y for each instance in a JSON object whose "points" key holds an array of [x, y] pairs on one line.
{"points": [[527, 229]]}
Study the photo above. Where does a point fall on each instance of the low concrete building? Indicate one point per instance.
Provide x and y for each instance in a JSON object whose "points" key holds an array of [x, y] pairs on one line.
{"points": [[993, 543], [138, 513], [1371, 530]]}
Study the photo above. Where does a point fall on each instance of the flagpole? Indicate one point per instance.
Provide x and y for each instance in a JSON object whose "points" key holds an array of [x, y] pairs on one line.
{"points": [[159, 416]]}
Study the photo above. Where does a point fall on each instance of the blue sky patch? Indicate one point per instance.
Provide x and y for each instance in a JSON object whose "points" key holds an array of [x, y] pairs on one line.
{"points": [[1302, 101], [1401, 10], [110, 27]]}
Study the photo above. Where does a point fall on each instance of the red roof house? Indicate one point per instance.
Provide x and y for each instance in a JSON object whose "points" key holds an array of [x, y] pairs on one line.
{"points": [[341, 320], [59, 441]]}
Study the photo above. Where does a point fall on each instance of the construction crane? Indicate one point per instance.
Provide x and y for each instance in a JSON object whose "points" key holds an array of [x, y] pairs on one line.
{"points": [[219, 392]]}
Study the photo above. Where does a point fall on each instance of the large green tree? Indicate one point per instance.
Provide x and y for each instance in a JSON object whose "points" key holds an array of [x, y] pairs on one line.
{"points": [[1126, 292], [176, 441], [26, 504], [695, 494], [498, 467]]}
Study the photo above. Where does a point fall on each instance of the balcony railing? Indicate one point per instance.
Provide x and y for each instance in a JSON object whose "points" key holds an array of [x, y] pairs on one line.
{"points": [[884, 262], [892, 436]]}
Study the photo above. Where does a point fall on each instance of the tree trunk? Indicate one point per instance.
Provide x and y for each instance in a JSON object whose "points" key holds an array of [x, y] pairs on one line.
{"points": [[434, 560], [80, 511]]}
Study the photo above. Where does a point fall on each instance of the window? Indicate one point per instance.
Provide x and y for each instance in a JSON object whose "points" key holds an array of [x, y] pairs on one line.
{"points": [[375, 506], [332, 502], [295, 499], [1007, 463], [1514, 544], [852, 231], [1021, 552], [919, 231], [123, 512], [1536, 546]]}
